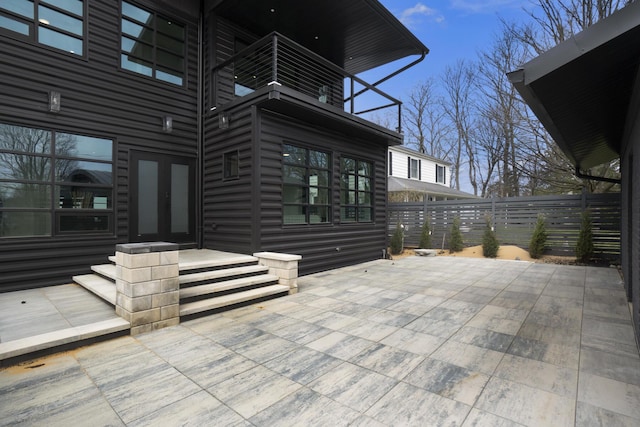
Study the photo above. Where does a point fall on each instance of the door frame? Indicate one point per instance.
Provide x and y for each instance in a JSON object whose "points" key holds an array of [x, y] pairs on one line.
{"points": [[164, 207]]}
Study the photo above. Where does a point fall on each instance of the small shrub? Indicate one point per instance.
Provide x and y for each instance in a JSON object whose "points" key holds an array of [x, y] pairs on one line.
{"points": [[584, 247], [538, 238], [425, 236], [397, 240], [490, 243], [455, 242]]}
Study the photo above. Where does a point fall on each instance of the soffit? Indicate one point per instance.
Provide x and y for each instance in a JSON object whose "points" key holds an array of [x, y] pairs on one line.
{"points": [[581, 89], [357, 35]]}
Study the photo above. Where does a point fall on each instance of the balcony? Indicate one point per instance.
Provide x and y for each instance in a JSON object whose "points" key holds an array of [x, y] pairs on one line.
{"points": [[275, 59]]}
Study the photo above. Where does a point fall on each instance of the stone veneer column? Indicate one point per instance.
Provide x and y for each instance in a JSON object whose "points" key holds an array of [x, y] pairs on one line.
{"points": [[148, 285], [285, 266]]}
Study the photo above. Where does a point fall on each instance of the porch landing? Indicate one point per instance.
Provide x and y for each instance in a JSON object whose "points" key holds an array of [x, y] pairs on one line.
{"points": [[36, 320]]}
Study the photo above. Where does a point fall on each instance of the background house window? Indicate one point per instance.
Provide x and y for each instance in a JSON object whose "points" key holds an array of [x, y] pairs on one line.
{"points": [[231, 164], [306, 189], [356, 190], [56, 23], [152, 45], [54, 183], [441, 174], [415, 168]]}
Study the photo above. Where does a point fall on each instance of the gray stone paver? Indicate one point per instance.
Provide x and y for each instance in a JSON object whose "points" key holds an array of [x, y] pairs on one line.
{"points": [[418, 341]]}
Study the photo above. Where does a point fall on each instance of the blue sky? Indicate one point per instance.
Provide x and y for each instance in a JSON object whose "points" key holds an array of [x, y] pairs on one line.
{"points": [[451, 29]]}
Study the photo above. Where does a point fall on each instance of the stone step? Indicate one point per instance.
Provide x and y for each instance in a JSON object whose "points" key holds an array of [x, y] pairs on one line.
{"points": [[187, 278], [106, 270], [19, 347], [221, 260], [227, 285], [230, 299], [102, 287]]}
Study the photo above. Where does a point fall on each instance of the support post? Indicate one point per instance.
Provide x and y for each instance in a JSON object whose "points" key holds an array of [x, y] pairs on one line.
{"points": [[285, 266], [148, 285]]}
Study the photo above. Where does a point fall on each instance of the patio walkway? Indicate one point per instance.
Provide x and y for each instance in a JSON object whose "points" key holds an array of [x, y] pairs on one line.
{"points": [[417, 341]]}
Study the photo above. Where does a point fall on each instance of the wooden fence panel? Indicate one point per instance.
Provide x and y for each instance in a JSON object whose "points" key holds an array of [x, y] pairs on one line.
{"points": [[514, 220]]}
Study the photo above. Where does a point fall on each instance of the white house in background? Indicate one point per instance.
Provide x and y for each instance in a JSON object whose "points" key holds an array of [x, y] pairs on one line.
{"points": [[412, 175]]}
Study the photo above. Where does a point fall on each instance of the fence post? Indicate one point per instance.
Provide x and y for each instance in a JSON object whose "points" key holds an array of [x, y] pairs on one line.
{"points": [[584, 198], [493, 213]]}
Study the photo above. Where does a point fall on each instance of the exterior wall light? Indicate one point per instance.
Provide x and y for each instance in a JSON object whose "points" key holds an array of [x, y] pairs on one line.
{"points": [[54, 101], [167, 124], [223, 120]]}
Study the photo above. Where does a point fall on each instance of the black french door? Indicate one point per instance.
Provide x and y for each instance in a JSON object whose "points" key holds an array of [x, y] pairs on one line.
{"points": [[161, 198]]}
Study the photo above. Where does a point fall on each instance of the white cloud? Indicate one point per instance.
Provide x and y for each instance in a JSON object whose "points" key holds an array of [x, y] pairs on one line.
{"points": [[410, 16], [485, 6]]}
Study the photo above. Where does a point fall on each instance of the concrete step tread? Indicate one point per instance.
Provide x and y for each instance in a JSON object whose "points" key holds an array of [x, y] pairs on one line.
{"points": [[106, 270], [211, 288], [217, 262], [218, 274], [22, 346], [102, 287], [226, 300]]}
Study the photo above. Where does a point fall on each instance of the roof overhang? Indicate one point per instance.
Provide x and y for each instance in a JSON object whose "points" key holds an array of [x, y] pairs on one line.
{"points": [[402, 184], [581, 89], [357, 35]]}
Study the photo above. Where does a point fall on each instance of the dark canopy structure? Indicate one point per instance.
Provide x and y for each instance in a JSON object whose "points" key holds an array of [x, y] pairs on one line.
{"points": [[581, 89], [357, 35]]}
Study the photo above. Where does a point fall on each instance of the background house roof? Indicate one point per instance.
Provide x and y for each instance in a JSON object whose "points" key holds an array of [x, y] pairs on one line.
{"points": [[581, 89], [415, 153], [357, 35], [402, 184]]}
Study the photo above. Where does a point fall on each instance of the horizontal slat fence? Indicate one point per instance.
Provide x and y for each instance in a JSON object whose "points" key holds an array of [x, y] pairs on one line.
{"points": [[514, 219]]}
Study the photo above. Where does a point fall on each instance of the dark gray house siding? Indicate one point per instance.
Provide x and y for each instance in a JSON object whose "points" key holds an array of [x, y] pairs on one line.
{"points": [[97, 99]]}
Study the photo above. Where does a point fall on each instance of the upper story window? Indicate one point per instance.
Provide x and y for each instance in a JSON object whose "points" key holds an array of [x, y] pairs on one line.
{"points": [[54, 183], [441, 174], [415, 168], [356, 190], [306, 188], [56, 23], [152, 45]]}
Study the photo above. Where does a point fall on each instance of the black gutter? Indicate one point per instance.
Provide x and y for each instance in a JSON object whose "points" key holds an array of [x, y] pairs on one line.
{"points": [[200, 136], [597, 178]]}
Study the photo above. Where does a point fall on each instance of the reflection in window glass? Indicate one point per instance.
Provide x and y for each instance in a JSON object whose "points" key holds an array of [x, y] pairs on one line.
{"points": [[306, 189], [83, 223], [59, 23], [84, 146], [27, 202], [59, 40], [155, 48], [356, 194], [13, 25]]}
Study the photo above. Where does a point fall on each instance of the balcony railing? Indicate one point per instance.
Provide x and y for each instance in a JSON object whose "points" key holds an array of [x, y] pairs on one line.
{"points": [[275, 59]]}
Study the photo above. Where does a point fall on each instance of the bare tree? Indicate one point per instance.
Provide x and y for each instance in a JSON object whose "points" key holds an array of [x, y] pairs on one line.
{"points": [[458, 104]]}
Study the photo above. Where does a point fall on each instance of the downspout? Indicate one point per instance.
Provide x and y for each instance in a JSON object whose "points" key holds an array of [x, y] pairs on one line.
{"points": [[200, 136], [579, 174]]}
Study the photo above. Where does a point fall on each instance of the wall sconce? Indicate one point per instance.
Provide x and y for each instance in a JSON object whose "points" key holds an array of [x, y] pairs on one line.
{"points": [[54, 101], [167, 124], [223, 120]]}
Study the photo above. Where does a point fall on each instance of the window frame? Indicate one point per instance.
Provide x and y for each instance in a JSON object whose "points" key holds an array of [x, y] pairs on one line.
{"points": [[417, 174], [307, 186], [34, 24], [357, 207], [54, 185], [229, 174], [154, 65], [444, 174]]}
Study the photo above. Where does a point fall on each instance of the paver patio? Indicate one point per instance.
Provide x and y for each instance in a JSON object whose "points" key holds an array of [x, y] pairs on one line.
{"points": [[416, 341]]}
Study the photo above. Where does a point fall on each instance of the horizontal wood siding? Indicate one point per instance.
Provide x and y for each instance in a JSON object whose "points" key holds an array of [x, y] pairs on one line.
{"points": [[228, 203], [514, 220], [98, 99], [322, 246]]}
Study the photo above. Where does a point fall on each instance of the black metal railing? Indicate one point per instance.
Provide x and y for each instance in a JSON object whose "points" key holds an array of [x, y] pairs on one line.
{"points": [[275, 59]]}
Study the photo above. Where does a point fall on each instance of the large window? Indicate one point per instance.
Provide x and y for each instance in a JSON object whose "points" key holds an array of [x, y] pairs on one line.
{"points": [[306, 189], [56, 23], [54, 183], [152, 45], [356, 192]]}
